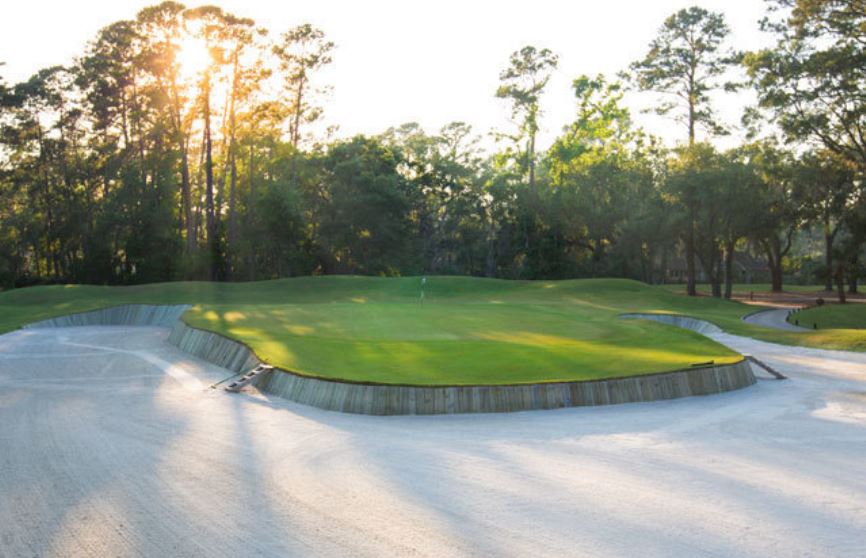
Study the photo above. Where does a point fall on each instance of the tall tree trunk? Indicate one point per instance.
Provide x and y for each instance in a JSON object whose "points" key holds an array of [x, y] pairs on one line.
{"points": [[230, 250], [296, 131], [774, 262], [775, 253], [183, 145], [713, 265], [692, 100], [828, 255], [186, 197], [230, 243], [48, 234], [775, 275], [251, 214], [840, 281], [691, 123], [691, 287], [852, 274], [296, 124], [729, 267], [716, 285], [135, 121], [37, 258], [210, 213], [663, 271], [123, 119], [490, 260]]}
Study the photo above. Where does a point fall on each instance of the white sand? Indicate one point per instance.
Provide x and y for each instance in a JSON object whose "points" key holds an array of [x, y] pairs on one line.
{"points": [[110, 445]]}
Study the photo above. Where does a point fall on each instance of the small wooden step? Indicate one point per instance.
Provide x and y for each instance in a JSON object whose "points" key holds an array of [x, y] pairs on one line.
{"points": [[776, 374], [245, 380]]}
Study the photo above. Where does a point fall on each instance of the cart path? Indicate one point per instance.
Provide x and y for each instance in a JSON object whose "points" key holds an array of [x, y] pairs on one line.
{"points": [[776, 318]]}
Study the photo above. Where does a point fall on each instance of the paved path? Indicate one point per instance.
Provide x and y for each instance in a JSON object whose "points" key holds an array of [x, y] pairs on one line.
{"points": [[112, 445], [775, 318]]}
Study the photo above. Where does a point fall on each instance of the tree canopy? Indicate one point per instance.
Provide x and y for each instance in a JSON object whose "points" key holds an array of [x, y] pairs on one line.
{"points": [[186, 143], [685, 62]]}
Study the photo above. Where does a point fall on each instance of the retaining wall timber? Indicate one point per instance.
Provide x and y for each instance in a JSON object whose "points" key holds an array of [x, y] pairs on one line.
{"points": [[213, 347], [129, 314], [378, 399], [415, 400], [381, 399]]}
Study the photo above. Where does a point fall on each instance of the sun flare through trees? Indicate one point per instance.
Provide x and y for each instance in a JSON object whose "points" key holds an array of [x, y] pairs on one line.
{"points": [[191, 143]]}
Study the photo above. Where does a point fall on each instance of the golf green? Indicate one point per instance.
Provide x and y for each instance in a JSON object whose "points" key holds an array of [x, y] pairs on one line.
{"points": [[462, 331]]}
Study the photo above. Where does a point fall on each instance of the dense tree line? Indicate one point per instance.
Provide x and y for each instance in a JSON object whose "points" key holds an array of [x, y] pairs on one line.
{"points": [[135, 165]]}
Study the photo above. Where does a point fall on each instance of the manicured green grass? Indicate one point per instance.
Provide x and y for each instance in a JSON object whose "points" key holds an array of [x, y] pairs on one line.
{"points": [[746, 288], [835, 316], [466, 331]]}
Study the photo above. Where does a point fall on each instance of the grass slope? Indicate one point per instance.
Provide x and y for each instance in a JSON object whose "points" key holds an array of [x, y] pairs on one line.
{"points": [[835, 316], [467, 331]]}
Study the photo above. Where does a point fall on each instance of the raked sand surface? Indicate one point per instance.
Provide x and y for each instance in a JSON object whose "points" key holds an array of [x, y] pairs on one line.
{"points": [[112, 444]]}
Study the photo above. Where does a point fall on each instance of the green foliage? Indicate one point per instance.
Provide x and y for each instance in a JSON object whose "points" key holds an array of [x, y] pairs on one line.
{"points": [[686, 61], [522, 84], [365, 225], [812, 81], [602, 131], [131, 165], [718, 200], [601, 178], [449, 212], [302, 51]]}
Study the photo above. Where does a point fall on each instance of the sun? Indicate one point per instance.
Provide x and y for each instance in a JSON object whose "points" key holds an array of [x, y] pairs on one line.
{"points": [[193, 58]]}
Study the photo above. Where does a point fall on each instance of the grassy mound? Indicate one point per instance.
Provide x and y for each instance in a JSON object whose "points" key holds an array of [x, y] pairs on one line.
{"points": [[465, 331]]}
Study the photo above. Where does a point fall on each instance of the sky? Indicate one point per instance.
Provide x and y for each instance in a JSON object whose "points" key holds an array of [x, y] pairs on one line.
{"points": [[401, 61]]}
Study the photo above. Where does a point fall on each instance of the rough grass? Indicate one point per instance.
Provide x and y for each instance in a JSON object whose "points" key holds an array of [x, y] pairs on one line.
{"points": [[745, 288], [466, 331], [835, 316]]}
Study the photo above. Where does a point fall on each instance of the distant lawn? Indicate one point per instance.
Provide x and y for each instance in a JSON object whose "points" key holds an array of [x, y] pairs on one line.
{"points": [[466, 331], [745, 288], [835, 316]]}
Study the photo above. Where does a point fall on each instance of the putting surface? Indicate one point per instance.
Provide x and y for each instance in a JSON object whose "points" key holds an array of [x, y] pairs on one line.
{"points": [[465, 331]]}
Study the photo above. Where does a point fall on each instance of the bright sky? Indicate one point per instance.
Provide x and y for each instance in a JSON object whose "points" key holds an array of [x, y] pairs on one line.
{"points": [[400, 61]]}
